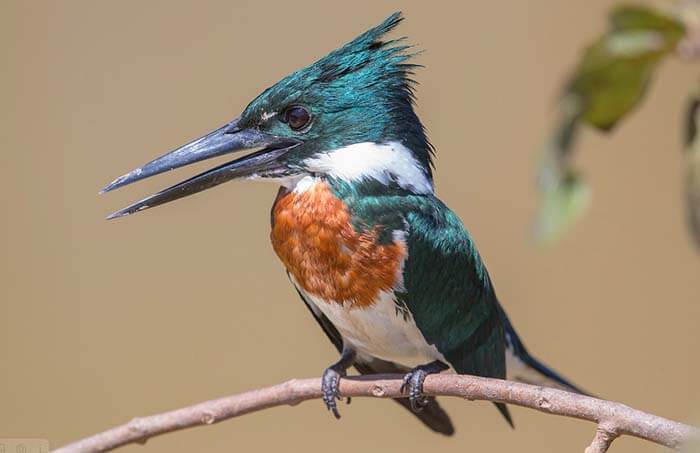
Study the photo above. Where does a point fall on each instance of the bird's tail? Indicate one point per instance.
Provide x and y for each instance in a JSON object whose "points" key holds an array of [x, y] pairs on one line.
{"points": [[523, 367], [432, 415]]}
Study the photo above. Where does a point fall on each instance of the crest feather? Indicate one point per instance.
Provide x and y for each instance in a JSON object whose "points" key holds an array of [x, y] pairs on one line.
{"points": [[367, 52]]}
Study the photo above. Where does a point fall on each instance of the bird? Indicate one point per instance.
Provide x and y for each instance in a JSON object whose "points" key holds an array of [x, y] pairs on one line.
{"points": [[388, 271]]}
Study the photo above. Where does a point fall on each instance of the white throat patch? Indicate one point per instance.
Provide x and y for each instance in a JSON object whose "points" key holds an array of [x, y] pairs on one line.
{"points": [[387, 163]]}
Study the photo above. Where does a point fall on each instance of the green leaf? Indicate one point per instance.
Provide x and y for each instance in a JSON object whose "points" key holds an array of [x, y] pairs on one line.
{"points": [[563, 196], [614, 72], [693, 195], [562, 205], [610, 80], [638, 17], [692, 184]]}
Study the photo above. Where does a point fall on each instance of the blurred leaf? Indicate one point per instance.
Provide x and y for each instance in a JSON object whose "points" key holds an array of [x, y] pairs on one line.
{"points": [[608, 83], [691, 124], [693, 195], [562, 206], [566, 130], [693, 170], [559, 189], [637, 17], [615, 71]]}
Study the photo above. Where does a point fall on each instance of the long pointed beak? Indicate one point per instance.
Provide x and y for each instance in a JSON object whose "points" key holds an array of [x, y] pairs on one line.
{"points": [[227, 139]]}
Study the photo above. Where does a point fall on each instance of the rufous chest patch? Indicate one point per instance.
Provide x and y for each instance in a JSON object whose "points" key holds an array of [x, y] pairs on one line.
{"points": [[313, 236]]}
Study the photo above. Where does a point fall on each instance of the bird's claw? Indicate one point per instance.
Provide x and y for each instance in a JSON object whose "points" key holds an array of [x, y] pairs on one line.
{"points": [[413, 383], [331, 391]]}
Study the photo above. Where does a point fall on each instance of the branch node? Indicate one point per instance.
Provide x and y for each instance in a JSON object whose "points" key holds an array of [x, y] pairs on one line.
{"points": [[136, 426], [139, 430], [291, 388], [543, 403], [605, 434], [378, 391], [208, 418]]}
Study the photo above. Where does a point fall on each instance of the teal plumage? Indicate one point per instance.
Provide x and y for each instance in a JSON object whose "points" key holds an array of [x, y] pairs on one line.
{"points": [[448, 291]]}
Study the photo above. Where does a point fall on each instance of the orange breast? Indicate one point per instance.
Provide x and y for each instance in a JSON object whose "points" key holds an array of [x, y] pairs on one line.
{"points": [[312, 235]]}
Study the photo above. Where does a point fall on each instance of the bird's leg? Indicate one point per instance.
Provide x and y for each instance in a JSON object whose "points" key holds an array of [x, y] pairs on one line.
{"points": [[413, 382], [331, 379]]}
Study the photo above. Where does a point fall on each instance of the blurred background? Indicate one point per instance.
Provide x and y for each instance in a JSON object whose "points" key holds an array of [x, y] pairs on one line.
{"points": [[103, 321]]}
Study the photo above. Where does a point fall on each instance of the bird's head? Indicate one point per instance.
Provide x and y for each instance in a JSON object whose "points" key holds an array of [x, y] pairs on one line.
{"points": [[348, 116]]}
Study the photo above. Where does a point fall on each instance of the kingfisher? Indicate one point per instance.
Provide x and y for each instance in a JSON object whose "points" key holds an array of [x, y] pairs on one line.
{"points": [[388, 271]]}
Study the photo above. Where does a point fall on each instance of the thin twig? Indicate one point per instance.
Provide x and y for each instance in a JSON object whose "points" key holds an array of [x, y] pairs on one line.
{"points": [[613, 419]]}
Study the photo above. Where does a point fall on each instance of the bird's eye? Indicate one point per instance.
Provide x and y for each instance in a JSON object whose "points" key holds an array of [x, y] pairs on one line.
{"points": [[297, 117]]}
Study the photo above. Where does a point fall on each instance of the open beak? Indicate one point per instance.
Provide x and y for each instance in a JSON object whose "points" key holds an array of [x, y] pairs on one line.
{"points": [[227, 139]]}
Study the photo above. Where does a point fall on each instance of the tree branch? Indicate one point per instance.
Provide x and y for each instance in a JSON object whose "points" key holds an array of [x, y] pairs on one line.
{"points": [[613, 419]]}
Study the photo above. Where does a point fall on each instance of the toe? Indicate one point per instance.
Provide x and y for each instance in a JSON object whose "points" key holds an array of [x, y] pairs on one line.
{"points": [[415, 391], [330, 390], [406, 384]]}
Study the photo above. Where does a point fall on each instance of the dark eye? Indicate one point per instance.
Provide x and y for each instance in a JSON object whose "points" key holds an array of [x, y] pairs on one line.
{"points": [[297, 117]]}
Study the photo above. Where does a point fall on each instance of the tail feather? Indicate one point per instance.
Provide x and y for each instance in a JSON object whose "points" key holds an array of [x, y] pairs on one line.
{"points": [[505, 412], [432, 415], [524, 367]]}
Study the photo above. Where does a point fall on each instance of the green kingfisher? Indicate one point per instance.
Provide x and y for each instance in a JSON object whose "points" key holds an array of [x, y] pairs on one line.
{"points": [[387, 270]]}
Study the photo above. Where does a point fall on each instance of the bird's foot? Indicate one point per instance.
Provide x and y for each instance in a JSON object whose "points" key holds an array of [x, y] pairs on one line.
{"points": [[413, 383], [330, 381], [330, 389]]}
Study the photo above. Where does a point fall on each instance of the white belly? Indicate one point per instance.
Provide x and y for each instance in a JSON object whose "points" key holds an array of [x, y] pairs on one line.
{"points": [[380, 330]]}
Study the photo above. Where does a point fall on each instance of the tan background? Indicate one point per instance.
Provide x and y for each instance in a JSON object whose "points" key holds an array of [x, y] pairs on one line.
{"points": [[102, 321]]}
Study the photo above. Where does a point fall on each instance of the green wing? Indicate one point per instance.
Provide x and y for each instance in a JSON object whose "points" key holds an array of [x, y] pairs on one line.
{"points": [[446, 287], [449, 294], [448, 291]]}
